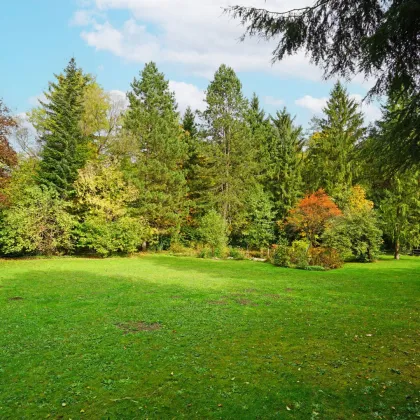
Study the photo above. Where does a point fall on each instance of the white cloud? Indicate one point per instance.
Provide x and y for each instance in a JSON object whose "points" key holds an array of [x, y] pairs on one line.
{"points": [[186, 95], [34, 100], [83, 18], [24, 122], [314, 105], [24, 137], [194, 35], [371, 111], [119, 98], [269, 100]]}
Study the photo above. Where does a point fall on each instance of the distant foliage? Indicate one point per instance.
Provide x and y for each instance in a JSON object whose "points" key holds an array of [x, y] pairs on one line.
{"points": [[112, 175]]}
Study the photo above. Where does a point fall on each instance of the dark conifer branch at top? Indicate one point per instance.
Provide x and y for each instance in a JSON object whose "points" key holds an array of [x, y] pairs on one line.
{"points": [[375, 38]]}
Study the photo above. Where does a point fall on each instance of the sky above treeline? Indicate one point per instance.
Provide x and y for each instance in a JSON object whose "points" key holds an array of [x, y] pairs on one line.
{"points": [[188, 39]]}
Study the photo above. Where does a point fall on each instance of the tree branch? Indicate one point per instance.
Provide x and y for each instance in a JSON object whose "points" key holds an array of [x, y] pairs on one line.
{"points": [[288, 12]]}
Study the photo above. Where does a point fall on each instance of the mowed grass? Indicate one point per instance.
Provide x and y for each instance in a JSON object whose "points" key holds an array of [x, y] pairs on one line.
{"points": [[166, 337]]}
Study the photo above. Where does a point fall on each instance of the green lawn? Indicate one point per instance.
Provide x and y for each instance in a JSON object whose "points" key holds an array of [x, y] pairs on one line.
{"points": [[217, 339]]}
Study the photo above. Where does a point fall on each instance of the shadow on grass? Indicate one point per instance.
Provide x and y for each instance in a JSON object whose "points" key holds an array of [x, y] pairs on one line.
{"points": [[231, 361]]}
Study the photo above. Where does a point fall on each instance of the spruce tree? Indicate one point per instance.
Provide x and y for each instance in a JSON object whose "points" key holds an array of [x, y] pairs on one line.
{"points": [[262, 135], [331, 162], [65, 148], [284, 180], [229, 152], [160, 151]]}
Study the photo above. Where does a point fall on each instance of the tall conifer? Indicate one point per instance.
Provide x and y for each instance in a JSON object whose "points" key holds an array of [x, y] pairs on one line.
{"points": [[65, 148]]}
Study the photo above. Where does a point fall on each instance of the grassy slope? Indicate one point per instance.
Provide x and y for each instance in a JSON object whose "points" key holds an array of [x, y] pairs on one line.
{"points": [[238, 340]]}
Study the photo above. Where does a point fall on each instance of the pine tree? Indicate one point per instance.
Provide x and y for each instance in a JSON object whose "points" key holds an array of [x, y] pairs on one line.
{"points": [[193, 162], [284, 180], [331, 162], [188, 123], [160, 150], [65, 148], [229, 152]]}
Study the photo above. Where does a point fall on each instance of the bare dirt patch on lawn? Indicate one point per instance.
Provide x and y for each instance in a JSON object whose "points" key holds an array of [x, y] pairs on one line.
{"points": [[220, 302], [136, 327], [246, 302]]}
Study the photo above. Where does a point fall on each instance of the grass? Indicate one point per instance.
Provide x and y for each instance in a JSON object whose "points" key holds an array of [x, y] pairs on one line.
{"points": [[166, 337]]}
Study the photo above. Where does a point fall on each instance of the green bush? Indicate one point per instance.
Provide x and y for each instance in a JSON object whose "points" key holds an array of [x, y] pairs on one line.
{"points": [[298, 253], [105, 237], [328, 258], [315, 268], [213, 233], [236, 254], [281, 255], [355, 236], [179, 249], [37, 222]]}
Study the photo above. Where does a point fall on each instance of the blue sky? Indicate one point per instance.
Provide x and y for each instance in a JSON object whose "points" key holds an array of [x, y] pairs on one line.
{"points": [[188, 39]]}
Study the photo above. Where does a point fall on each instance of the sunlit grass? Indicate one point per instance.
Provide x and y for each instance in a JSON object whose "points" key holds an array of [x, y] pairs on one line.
{"points": [[223, 339]]}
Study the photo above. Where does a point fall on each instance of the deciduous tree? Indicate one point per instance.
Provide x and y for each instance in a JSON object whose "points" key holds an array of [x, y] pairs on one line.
{"points": [[8, 157], [311, 215]]}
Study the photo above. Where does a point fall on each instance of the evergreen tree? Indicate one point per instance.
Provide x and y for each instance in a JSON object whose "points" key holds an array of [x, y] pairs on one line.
{"points": [[188, 123], [193, 164], [262, 136], [331, 163], [65, 148], [284, 180], [229, 150], [159, 151], [259, 230]]}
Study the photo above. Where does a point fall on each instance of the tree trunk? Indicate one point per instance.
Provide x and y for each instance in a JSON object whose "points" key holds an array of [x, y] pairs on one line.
{"points": [[397, 250]]}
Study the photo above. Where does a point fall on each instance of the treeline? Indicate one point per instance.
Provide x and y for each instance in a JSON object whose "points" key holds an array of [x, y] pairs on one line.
{"points": [[106, 180]]}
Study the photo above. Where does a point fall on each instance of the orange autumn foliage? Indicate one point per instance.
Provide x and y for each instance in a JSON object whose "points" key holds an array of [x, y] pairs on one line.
{"points": [[8, 157], [312, 214]]}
